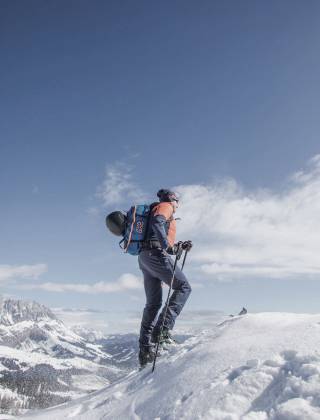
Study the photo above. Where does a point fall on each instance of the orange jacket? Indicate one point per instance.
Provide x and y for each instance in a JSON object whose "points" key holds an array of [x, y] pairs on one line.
{"points": [[162, 225]]}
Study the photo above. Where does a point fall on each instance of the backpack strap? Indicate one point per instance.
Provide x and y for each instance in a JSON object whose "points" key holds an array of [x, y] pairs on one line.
{"points": [[131, 229], [152, 206], [121, 242]]}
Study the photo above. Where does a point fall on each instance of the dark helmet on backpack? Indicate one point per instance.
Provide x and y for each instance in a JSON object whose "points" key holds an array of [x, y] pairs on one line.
{"points": [[116, 222], [167, 195]]}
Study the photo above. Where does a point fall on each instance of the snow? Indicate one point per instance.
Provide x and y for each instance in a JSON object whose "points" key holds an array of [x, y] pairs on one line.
{"points": [[255, 367], [33, 359], [89, 382]]}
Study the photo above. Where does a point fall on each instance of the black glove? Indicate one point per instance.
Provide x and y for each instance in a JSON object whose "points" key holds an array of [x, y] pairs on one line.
{"points": [[186, 245], [176, 249]]}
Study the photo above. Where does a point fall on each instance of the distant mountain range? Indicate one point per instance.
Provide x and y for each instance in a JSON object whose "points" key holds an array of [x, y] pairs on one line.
{"points": [[43, 362]]}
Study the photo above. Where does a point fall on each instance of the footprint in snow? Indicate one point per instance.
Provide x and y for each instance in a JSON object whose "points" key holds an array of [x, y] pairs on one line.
{"points": [[235, 373], [184, 398]]}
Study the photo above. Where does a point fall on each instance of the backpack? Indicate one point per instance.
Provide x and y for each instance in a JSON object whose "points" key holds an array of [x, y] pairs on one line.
{"points": [[134, 228]]}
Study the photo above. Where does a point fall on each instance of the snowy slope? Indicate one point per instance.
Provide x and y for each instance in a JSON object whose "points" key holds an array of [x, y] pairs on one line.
{"points": [[259, 366]]}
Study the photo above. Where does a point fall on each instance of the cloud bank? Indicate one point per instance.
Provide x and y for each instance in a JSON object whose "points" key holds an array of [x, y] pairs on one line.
{"points": [[126, 282], [236, 233], [261, 233], [14, 272]]}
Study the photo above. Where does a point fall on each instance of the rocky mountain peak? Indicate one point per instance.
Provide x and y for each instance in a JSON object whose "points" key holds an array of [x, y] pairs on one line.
{"points": [[13, 311]]}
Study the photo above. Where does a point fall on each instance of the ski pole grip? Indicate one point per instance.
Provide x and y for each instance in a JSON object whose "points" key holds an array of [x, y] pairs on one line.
{"points": [[179, 252]]}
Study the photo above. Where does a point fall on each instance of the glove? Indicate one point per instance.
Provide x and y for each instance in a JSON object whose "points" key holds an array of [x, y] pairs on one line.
{"points": [[175, 249], [187, 245]]}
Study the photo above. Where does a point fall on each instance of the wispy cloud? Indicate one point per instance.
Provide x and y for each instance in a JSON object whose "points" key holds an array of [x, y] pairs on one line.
{"points": [[127, 281], [236, 233], [119, 186], [239, 233], [10, 272]]}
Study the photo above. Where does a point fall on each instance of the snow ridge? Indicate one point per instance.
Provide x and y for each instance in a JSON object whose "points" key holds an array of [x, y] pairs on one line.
{"points": [[256, 367]]}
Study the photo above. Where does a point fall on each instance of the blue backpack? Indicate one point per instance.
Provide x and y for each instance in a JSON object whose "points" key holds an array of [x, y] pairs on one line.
{"points": [[136, 228]]}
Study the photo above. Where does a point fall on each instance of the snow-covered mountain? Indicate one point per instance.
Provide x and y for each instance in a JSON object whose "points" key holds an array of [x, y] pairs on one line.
{"points": [[255, 367], [13, 311], [43, 362]]}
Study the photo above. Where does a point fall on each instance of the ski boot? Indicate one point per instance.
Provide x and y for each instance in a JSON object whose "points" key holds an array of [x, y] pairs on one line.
{"points": [[146, 355], [165, 338]]}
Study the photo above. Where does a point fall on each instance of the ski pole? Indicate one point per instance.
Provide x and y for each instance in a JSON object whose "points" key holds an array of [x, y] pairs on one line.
{"points": [[184, 259], [166, 306]]}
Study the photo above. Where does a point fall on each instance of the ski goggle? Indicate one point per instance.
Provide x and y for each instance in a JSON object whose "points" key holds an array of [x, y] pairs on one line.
{"points": [[174, 198]]}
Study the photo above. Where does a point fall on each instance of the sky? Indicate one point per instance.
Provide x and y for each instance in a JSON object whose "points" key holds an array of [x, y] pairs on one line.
{"points": [[104, 103]]}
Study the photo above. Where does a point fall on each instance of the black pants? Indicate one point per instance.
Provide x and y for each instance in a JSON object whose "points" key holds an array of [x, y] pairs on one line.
{"points": [[157, 267]]}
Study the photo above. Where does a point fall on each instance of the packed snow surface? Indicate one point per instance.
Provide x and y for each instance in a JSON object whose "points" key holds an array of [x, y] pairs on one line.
{"points": [[254, 367]]}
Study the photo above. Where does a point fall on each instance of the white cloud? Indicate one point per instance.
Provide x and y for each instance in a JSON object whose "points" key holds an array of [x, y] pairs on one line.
{"points": [[126, 282], [118, 186], [261, 233], [236, 233], [9, 272]]}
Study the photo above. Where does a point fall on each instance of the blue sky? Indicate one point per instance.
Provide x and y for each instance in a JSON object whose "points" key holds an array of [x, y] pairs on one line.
{"points": [[220, 99]]}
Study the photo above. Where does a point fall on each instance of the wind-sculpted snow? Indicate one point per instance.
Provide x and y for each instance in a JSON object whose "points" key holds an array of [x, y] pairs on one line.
{"points": [[255, 367]]}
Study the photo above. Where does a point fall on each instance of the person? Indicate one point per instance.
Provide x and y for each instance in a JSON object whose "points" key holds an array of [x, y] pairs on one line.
{"points": [[157, 267]]}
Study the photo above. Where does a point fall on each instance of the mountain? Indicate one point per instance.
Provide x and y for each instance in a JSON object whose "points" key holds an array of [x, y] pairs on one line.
{"points": [[43, 362], [14, 311], [252, 367]]}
